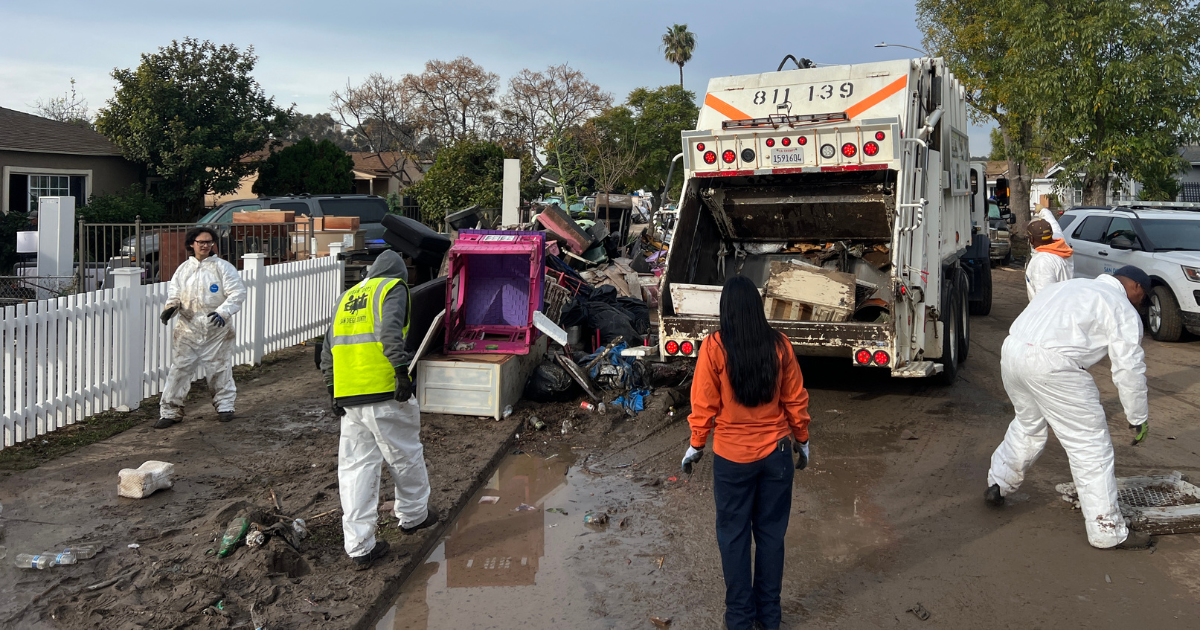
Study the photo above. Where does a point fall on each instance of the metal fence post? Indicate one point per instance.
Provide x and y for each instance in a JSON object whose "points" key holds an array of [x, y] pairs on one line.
{"points": [[132, 346], [256, 299]]}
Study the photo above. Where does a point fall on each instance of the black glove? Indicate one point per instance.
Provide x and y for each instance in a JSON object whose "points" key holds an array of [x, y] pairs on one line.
{"points": [[216, 320], [167, 314], [404, 386], [338, 410], [1140, 431], [801, 449]]}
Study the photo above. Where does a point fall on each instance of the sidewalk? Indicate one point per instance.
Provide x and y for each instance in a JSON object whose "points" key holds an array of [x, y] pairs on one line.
{"points": [[284, 439]]}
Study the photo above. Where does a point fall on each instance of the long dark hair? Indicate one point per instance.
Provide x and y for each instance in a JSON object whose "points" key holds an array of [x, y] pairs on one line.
{"points": [[752, 347]]}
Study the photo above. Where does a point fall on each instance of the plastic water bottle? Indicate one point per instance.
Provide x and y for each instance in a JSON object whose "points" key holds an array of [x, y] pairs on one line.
{"points": [[61, 558], [28, 561], [82, 552]]}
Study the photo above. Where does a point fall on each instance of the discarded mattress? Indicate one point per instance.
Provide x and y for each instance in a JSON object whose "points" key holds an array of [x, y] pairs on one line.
{"points": [[1163, 504]]}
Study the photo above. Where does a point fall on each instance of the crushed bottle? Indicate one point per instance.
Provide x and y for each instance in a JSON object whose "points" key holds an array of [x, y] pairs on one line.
{"points": [[233, 535], [83, 552], [61, 558]]}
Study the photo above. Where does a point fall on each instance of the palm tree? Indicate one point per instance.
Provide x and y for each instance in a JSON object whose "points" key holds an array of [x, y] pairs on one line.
{"points": [[678, 44]]}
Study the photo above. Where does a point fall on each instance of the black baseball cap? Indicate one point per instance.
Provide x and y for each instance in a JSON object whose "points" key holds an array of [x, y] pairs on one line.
{"points": [[1135, 274]]}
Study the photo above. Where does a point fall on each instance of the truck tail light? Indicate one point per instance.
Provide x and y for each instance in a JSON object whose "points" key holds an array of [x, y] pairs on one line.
{"points": [[700, 146], [849, 150], [862, 357], [802, 141], [880, 357], [871, 149], [672, 347], [879, 135], [728, 156], [686, 347], [770, 142], [786, 141], [710, 158]]}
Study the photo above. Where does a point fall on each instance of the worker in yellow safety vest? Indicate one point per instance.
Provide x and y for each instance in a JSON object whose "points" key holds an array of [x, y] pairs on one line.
{"points": [[366, 369]]}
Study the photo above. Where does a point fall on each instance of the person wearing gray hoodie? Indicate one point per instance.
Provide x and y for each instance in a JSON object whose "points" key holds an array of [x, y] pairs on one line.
{"points": [[366, 369]]}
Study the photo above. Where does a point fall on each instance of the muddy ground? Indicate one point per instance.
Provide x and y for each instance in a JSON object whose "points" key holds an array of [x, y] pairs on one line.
{"points": [[879, 523]]}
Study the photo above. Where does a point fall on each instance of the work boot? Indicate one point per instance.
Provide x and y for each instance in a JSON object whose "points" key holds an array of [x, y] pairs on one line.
{"points": [[363, 562], [164, 423], [993, 497], [431, 518], [1135, 540], [224, 416]]}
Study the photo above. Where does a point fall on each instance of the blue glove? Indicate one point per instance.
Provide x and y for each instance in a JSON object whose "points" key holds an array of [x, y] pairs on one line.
{"points": [[216, 320], [692, 456]]}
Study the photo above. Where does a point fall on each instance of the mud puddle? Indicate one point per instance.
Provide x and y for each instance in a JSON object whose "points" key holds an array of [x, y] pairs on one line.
{"points": [[520, 554]]}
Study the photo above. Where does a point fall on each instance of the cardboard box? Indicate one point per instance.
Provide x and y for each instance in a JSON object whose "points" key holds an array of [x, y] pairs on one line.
{"points": [[265, 216], [329, 224], [352, 240], [800, 292]]}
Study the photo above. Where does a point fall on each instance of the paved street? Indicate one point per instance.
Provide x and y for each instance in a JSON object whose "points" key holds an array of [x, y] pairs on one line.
{"points": [[879, 523]]}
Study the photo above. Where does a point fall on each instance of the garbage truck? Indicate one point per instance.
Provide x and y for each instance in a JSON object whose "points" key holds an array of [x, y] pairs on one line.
{"points": [[847, 194]]}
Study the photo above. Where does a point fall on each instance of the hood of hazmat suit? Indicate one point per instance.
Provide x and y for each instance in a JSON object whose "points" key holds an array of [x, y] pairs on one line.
{"points": [[389, 264]]}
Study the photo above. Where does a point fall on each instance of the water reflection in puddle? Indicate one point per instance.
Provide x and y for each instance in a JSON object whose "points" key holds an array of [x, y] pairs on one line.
{"points": [[511, 564]]}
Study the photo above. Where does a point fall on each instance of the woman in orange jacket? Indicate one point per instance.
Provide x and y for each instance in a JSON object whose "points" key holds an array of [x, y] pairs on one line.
{"points": [[749, 393]]}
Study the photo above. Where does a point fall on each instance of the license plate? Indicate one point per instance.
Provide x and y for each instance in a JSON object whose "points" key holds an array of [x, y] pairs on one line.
{"points": [[787, 155]]}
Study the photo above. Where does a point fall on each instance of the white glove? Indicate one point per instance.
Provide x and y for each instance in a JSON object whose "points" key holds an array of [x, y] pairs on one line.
{"points": [[692, 456]]}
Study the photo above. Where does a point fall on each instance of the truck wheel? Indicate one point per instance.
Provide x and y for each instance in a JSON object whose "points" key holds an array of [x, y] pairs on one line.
{"points": [[964, 318], [950, 324], [1166, 322], [983, 305]]}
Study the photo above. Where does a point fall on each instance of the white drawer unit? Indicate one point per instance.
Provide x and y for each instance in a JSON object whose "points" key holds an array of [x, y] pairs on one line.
{"points": [[475, 384]]}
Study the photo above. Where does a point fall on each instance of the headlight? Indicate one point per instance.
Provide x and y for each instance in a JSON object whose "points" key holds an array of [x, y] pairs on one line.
{"points": [[1192, 273]]}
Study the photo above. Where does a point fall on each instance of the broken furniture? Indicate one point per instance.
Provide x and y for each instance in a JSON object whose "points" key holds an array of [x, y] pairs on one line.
{"points": [[494, 284], [475, 384], [802, 292]]}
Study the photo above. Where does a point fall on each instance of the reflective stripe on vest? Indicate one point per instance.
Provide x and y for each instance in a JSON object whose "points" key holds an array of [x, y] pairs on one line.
{"points": [[359, 365]]}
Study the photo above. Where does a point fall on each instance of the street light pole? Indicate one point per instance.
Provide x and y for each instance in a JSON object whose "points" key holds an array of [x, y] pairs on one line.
{"points": [[887, 45]]}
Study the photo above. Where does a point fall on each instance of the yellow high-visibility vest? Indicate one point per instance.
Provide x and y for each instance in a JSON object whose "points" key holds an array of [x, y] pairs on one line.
{"points": [[359, 365]]}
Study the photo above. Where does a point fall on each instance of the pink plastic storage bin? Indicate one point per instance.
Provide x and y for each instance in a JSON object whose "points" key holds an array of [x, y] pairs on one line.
{"points": [[493, 286]]}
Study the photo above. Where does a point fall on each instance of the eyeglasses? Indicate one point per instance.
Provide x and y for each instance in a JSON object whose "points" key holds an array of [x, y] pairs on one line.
{"points": [[204, 243]]}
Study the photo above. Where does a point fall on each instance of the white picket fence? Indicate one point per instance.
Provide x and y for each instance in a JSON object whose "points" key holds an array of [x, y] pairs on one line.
{"points": [[68, 358]]}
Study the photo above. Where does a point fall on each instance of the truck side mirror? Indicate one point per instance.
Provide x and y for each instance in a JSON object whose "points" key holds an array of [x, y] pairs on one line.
{"points": [[1120, 242], [1002, 192], [1009, 217]]}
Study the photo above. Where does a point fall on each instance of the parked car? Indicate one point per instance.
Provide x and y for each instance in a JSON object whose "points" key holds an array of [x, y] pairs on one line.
{"points": [[1164, 241], [370, 210], [1000, 249]]}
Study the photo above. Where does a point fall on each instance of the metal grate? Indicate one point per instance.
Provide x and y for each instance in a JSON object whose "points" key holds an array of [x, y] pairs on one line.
{"points": [[1154, 496]]}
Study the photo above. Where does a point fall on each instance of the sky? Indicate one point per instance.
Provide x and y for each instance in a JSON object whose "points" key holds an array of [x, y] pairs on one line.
{"points": [[307, 48]]}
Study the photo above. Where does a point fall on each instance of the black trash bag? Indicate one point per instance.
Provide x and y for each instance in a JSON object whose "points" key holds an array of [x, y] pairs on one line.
{"points": [[574, 313], [606, 293], [612, 321], [551, 383], [638, 311]]}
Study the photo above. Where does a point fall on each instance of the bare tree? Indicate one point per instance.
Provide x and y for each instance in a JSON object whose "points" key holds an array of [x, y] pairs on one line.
{"points": [[541, 108], [455, 100], [380, 115], [605, 157], [68, 108]]}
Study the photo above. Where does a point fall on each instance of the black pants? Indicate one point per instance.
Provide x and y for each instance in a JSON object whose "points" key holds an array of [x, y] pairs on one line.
{"points": [[753, 498]]}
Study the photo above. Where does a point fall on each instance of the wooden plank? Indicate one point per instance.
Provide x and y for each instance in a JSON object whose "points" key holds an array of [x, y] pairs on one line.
{"points": [[617, 279]]}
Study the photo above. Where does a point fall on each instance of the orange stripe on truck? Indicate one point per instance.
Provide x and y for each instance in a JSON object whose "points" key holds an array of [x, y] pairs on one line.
{"points": [[725, 109], [876, 98]]}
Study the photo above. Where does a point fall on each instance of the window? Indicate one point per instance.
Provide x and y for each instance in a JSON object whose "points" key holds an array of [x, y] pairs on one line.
{"points": [[48, 186], [1173, 234], [299, 207], [367, 209], [993, 211], [1076, 196], [1065, 220], [1092, 229], [1120, 226]]}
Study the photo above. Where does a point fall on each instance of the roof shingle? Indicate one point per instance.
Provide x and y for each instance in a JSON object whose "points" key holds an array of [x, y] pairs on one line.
{"points": [[25, 132]]}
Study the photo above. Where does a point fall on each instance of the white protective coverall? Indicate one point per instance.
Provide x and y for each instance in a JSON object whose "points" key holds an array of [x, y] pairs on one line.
{"points": [[381, 431], [1047, 215], [200, 287], [1043, 270], [1066, 329]]}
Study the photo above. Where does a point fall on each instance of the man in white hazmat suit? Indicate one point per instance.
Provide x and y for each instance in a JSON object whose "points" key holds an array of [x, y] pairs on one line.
{"points": [[366, 369], [1047, 215], [205, 292], [1066, 329], [1048, 260]]}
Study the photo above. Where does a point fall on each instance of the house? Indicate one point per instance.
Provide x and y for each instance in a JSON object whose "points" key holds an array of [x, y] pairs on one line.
{"points": [[1189, 179], [39, 156], [372, 175], [1046, 192]]}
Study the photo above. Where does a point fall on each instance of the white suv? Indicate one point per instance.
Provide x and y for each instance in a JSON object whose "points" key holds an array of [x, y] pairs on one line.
{"points": [[1163, 239]]}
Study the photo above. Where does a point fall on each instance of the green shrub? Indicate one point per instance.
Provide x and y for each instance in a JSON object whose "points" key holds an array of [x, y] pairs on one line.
{"points": [[122, 207]]}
